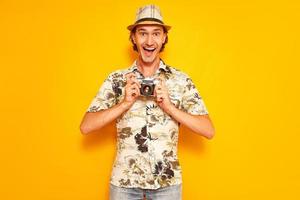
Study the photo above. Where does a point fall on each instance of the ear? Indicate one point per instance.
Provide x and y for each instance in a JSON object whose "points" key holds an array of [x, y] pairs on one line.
{"points": [[164, 38], [133, 38]]}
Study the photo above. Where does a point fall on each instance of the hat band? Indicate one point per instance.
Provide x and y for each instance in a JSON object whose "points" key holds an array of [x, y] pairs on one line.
{"points": [[149, 19]]}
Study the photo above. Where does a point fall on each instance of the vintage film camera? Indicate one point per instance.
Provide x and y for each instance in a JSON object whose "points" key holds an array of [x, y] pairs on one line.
{"points": [[147, 86]]}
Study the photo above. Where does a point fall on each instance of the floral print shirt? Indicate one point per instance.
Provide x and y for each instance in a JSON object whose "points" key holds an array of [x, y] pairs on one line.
{"points": [[147, 137]]}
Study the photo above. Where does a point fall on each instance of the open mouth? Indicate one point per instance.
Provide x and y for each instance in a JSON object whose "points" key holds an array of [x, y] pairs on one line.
{"points": [[150, 50]]}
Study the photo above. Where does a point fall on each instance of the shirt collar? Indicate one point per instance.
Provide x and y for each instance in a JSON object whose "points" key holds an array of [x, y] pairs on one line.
{"points": [[162, 67]]}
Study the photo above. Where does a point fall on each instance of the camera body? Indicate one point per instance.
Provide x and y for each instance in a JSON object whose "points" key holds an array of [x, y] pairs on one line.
{"points": [[147, 86]]}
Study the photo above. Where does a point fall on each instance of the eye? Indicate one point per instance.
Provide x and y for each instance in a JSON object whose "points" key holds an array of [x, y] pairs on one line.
{"points": [[156, 34]]}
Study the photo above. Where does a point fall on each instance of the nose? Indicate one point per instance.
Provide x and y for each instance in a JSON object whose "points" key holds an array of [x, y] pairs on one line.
{"points": [[149, 40]]}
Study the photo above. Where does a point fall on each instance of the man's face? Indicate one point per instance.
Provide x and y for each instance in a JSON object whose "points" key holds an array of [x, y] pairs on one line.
{"points": [[149, 40]]}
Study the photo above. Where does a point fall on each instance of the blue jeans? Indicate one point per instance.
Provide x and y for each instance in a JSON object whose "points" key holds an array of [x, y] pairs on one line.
{"points": [[165, 193]]}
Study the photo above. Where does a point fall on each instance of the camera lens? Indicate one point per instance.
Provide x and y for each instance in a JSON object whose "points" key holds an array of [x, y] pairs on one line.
{"points": [[147, 90]]}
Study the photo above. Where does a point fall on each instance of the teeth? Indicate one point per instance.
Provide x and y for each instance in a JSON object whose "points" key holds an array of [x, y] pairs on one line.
{"points": [[150, 49]]}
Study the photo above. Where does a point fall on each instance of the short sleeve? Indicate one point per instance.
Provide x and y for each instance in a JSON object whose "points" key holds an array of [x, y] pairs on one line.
{"points": [[192, 102], [105, 98]]}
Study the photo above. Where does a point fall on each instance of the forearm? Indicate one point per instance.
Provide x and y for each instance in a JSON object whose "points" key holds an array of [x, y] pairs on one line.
{"points": [[198, 123], [96, 120]]}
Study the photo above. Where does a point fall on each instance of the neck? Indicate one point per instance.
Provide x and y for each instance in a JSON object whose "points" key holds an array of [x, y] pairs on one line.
{"points": [[148, 68]]}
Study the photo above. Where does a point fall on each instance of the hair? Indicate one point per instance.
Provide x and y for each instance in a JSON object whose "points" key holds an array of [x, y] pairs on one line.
{"points": [[134, 45]]}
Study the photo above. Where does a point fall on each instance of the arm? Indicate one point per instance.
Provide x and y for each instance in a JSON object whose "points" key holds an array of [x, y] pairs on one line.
{"points": [[96, 120], [198, 123]]}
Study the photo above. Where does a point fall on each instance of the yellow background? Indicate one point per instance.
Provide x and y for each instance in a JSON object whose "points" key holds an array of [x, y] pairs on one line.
{"points": [[242, 55]]}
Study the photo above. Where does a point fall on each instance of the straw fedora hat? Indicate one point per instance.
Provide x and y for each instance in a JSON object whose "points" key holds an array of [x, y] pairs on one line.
{"points": [[149, 14]]}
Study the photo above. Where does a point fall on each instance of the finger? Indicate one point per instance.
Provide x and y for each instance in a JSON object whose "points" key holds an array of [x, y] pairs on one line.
{"points": [[159, 98], [131, 90], [129, 87], [162, 89], [134, 84], [135, 89], [157, 88], [138, 91], [161, 81], [136, 81], [129, 77], [161, 86], [159, 91], [155, 93]]}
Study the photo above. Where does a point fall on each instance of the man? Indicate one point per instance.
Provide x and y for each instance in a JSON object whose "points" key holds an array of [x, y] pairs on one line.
{"points": [[146, 165]]}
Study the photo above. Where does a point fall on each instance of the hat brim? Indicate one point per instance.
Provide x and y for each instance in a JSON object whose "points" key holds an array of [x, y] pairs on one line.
{"points": [[132, 26]]}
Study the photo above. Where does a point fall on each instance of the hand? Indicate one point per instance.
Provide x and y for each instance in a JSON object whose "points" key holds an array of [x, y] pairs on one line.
{"points": [[132, 89], [162, 96]]}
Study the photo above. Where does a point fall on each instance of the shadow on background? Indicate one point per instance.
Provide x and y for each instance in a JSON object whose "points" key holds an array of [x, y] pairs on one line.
{"points": [[192, 142], [99, 138], [102, 141]]}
